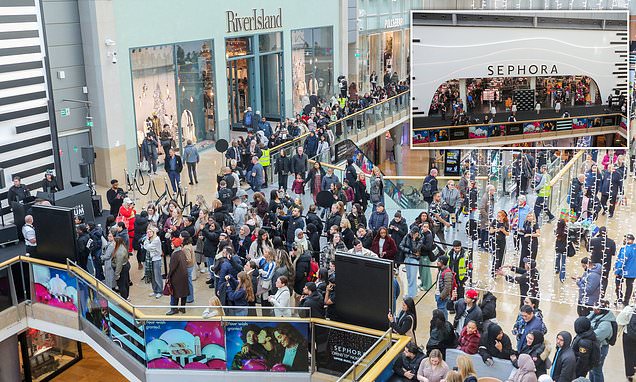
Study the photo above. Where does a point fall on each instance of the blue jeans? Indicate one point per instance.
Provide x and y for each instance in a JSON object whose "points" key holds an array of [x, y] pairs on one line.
{"points": [[596, 374], [441, 305], [209, 261], [411, 276], [99, 269], [559, 265], [175, 180], [157, 281], [190, 287]]}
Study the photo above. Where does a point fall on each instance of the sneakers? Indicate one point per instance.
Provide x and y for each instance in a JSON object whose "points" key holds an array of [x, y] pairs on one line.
{"points": [[203, 270], [151, 294], [158, 295], [172, 312], [210, 281]]}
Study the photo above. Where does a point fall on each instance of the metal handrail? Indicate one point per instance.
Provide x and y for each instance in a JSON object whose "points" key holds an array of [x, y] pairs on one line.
{"points": [[566, 168], [334, 123], [353, 367], [517, 122]]}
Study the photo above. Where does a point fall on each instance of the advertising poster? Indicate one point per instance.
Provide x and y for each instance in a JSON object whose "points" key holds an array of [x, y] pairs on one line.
{"points": [[185, 345], [531, 128], [337, 350], [94, 307], [580, 123], [477, 132], [451, 162], [265, 346], [421, 137], [55, 287]]}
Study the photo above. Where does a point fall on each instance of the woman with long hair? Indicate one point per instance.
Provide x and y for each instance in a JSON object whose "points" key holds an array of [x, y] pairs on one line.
{"points": [[466, 369], [383, 245], [121, 266], [214, 308], [347, 233], [406, 321], [453, 376], [265, 276], [499, 230], [188, 250], [261, 205], [107, 260], [376, 188], [178, 278], [530, 238], [202, 219], [441, 333], [361, 196], [314, 179], [561, 248], [240, 293], [433, 368], [356, 217], [127, 214], [260, 245]]}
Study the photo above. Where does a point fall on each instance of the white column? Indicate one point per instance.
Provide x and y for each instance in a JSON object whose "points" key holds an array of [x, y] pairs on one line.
{"points": [[593, 90], [462, 92], [533, 86]]}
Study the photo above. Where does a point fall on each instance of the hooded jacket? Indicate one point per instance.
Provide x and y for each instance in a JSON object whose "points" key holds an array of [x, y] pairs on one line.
{"points": [[590, 286], [488, 306], [487, 348], [539, 352], [602, 325], [378, 219], [564, 363], [626, 262], [586, 347], [526, 370]]}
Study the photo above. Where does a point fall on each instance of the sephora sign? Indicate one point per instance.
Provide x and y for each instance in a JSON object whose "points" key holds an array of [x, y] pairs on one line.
{"points": [[459, 52]]}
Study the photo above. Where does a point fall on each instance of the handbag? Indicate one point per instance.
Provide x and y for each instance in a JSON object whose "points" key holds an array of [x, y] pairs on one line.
{"points": [[167, 289], [571, 250], [263, 286]]}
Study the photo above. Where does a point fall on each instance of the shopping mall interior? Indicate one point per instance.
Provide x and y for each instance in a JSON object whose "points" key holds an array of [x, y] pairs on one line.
{"points": [[188, 202]]}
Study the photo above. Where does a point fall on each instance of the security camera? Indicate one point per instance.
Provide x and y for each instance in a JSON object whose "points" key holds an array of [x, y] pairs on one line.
{"points": [[114, 58]]}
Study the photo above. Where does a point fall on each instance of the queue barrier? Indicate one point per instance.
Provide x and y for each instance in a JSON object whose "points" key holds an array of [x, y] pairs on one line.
{"points": [[141, 341]]}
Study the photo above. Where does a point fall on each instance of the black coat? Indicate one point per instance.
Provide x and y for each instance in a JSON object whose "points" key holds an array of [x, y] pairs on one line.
{"points": [[488, 306], [316, 304], [211, 243], [299, 164], [404, 363], [351, 174], [564, 363], [312, 218], [282, 166], [179, 163], [487, 348], [473, 314], [302, 270]]}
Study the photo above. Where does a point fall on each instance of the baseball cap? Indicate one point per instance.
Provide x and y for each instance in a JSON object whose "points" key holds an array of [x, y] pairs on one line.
{"points": [[629, 236], [471, 293]]}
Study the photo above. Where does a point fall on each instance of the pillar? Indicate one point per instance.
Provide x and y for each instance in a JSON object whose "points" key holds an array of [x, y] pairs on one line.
{"points": [[381, 142], [462, 93], [110, 133], [9, 362], [533, 86]]}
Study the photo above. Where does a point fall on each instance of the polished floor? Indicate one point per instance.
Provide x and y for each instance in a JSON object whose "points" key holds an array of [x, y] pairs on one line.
{"points": [[91, 368], [558, 300]]}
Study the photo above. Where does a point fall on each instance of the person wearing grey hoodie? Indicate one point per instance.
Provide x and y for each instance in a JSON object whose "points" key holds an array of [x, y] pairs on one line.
{"points": [[601, 320], [525, 371], [564, 361]]}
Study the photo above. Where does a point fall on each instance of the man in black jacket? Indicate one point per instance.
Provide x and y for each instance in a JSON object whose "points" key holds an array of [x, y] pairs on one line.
{"points": [[312, 218], [350, 173], [564, 362], [83, 249], [225, 195], [294, 222], [211, 233], [407, 365], [603, 249], [174, 166], [282, 167], [466, 310], [313, 300], [299, 163], [115, 197]]}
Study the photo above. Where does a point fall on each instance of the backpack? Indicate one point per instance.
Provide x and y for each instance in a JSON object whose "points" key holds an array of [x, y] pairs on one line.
{"points": [[427, 190], [612, 340], [454, 287], [313, 270]]}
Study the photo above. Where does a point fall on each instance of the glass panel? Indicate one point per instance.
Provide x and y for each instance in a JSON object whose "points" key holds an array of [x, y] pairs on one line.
{"points": [[239, 77], [270, 42], [195, 76], [240, 46], [270, 85], [312, 64], [153, 81], [5, 289], [48, 353]]}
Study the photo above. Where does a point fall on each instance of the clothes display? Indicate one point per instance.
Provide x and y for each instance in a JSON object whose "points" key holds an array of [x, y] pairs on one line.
{"points": [[188, 130]]}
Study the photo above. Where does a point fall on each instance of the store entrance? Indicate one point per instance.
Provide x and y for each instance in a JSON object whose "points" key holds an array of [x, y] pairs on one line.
{"points": [[241, 90]]}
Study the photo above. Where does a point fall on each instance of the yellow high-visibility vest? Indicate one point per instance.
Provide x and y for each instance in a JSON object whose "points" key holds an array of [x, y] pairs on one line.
{"points": [[264, 160]]}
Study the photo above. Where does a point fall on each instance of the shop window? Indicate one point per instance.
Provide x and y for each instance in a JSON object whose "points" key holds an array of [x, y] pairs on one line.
{"points": [[270, 42], [173, 89], [239, 46], [48, 354], [312, 64]]}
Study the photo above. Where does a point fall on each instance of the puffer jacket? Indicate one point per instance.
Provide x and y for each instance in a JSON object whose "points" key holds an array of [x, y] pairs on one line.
{"points": [[586, 347], [626, 261]]}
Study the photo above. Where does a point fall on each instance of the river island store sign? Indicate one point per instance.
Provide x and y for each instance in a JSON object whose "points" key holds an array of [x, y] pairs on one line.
{"points": [[257, 20]]}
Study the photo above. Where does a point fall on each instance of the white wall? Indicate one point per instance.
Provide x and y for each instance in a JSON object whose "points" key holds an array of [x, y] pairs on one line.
{"points": [[446, 52]]}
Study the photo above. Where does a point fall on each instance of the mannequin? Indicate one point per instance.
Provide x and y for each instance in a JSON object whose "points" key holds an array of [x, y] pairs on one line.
{"points": [[313, 85], [187, 124]]}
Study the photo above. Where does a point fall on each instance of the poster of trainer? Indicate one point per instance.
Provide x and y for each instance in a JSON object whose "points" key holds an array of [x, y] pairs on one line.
{"points": [[267, 346], [55, 287], [185, 345], [94, 307]]}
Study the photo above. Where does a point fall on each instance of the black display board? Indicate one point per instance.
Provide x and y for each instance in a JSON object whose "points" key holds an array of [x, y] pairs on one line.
{"points": [[451, 162], [55, 233], [338, 349], [364, 287], [458, 133], [514, 129], [79, 199], [344, 150]]}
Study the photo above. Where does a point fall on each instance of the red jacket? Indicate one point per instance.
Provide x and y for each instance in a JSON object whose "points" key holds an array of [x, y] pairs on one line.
{"points": [[469, 343], [389, 248]]}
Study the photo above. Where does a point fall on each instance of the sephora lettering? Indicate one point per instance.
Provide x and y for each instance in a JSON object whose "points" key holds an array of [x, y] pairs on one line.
{"points": [[521, 70], [256, 21]]}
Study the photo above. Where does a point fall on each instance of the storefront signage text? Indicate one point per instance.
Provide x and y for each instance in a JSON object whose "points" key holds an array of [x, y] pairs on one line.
{"points": [[256, 21], [521, 70], [394, 23]]}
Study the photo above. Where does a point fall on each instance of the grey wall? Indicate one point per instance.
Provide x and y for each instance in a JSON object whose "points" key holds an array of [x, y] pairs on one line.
{"points": [[65, 54]]}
